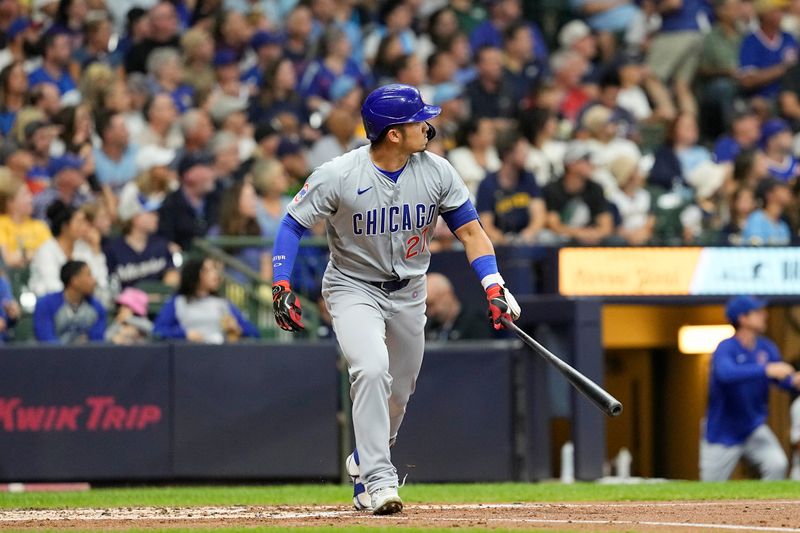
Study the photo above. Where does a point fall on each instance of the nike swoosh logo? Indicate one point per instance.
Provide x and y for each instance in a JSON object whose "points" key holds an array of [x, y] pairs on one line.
{"points": [[362, 191]]}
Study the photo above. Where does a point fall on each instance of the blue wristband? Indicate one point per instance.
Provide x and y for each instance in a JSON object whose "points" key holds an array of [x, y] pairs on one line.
{"points": [[485, 267]]}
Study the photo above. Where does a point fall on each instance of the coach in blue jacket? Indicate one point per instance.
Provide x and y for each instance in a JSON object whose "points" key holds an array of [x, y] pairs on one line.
{"points": [[742, 368]]}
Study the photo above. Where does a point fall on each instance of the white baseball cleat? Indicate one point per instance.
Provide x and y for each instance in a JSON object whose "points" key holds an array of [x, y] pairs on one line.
{"points": [[386, 501], [361, 500]]}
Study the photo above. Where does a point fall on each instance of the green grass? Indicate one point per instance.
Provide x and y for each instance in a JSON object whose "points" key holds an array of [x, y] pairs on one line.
{"points": [[187, 496]]}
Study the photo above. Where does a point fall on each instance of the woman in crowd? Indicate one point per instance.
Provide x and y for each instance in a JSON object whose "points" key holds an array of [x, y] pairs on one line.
{"points": [[278, 100], [68, 226], [271, 183], [546, 155], [680, 155], [196, 313], [476, 155], [743, 203], [13, 89], [20, 234]]}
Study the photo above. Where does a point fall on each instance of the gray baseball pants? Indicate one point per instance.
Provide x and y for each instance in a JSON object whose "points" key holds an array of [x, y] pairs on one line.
{"points": [[761, 449], [382, 339]]}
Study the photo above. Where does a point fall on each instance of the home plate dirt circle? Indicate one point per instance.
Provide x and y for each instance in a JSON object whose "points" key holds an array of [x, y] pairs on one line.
{"points": [[750, 515]]}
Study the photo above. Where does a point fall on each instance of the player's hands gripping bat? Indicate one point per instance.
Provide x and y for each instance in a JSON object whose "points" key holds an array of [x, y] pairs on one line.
{"points": [[501, 304], [286, 307]]}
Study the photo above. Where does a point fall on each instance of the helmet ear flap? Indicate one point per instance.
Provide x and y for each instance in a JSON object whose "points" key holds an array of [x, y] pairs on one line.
{"points": [[431, 130]]}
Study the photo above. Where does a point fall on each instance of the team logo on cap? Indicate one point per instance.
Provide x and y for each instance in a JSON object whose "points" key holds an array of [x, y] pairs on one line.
{"points": [[301, 194]]}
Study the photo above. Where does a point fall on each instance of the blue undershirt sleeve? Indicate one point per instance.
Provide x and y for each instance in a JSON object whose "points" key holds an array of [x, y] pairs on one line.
{"points": [[459, 216], [284, 253]]}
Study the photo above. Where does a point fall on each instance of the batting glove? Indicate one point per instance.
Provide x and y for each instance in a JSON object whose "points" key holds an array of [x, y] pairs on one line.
{"points": [[286, 307], [501, 304]]}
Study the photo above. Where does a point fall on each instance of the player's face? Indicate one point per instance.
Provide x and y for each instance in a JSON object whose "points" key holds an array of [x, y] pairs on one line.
{"points": [[413, 137], [755, 320]]}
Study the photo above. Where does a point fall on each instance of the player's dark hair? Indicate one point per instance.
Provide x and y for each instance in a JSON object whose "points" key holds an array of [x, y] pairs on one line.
{"points": [[70, 270], [190, 277], [59, 214]]}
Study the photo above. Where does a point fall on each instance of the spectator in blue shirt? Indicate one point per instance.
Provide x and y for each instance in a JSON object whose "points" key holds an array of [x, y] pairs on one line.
{"points": [[742, 369], [71, 316], [607, 18], [776, 143], [745, 134], [335, 62], [509, 201], [766, 226], [767, 54], [503, 13], [55, 62], [13, 90], [115, 158]]}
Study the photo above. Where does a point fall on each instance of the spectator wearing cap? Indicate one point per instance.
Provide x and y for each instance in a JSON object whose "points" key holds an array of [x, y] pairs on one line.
{"points": [[546, 155], [20, 234], [196, 313], [493, 93], [115, 160], [503, 13], [68, 185], [776, 143], [228, 74], [766, 226], [292, 156], [73, 315], [267, 46], [14, 49], [608, 19], [674, 53], [526, 70], [55, 62], [155, 179], [476, 155], [632, 97], [139, 254], [335, 61], [577, 210], [718, 68], [599, 124], [608, 96], [161, 128], [766, 54], [340, 138], [164, 32], [576, 36], [742, 369], [165, 68], [509, 201], [633, 202], [130, 325], [745, 134], [13, 90], [68, 226], [192, 209], [197, 46]]}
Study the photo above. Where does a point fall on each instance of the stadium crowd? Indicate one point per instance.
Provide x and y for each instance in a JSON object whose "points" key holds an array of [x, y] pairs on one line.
{"points": [[130, 127]]}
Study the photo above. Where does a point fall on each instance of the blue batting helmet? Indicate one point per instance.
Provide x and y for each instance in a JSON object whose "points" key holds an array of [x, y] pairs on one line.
{"points": [[394, 104]]}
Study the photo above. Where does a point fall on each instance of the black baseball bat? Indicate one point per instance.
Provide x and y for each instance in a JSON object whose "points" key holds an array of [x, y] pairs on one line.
{"points": [[607, 403]]}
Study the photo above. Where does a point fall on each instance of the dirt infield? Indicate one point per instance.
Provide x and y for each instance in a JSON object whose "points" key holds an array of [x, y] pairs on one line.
{"points": [[764, 515]]}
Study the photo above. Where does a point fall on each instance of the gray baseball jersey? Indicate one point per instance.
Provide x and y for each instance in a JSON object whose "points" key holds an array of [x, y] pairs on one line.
{"points": [[379, 230]]}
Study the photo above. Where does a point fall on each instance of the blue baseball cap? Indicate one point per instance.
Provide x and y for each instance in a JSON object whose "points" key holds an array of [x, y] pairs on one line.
{"points": [[772, 128], [18, 26], [224, 58], [741, 305], [57, 164], [265, 38]]}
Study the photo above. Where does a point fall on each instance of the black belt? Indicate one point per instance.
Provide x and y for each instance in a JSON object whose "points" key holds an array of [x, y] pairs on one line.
{"points": [[390, 286], [385, 286]]}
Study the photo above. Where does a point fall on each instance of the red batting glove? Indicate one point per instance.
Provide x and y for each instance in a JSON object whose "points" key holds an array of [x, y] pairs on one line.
{"points": [[498, 306], [286, 307]]}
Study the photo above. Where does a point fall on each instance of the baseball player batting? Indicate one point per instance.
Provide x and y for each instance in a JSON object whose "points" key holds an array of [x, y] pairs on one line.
{"points": [[380, 204]]}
